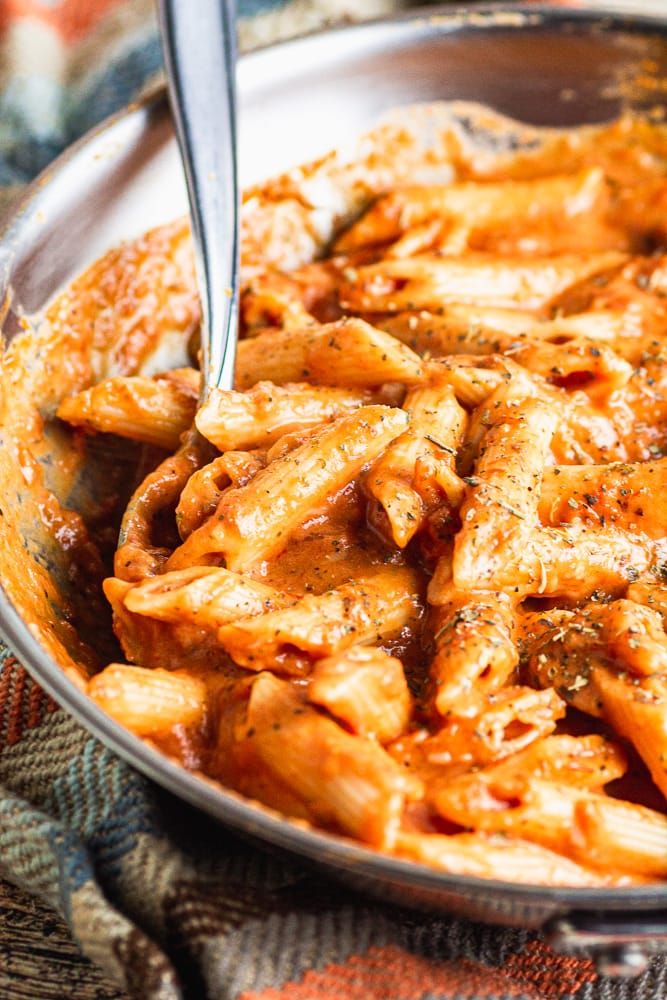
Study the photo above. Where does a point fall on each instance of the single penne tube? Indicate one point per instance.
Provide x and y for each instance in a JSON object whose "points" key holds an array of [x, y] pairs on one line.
{"points": [[618, 493], [149, 702], [458, 329], [368, 610], [514, 385], [153, 410], [365, 688], [257, 418], [202, 493], [547, 813], [474, 649], [619, 836], [631, 635], [472, 384], [349, 352], [638, 711], [482, 330], [206, 596], [507, 722], [499, 509], [418, 470], [577, 560], [591, 761], [651, 593], [504, 859], [428, 281], [142, 548], [578, 363], [254, 522], [478, 206], [609, 326], [346, 781]]}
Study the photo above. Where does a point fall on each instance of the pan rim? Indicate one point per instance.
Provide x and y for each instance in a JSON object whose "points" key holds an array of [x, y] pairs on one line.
{"points": [[226, 806]]}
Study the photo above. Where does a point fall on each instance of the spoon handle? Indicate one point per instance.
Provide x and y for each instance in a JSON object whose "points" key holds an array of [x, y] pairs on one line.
{"points": [[199, 45]]}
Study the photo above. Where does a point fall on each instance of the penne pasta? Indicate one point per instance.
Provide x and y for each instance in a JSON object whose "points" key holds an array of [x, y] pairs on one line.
{"points": [[558, 817], [618, 494], [477, 208], [594, 367], [141, 551], [429, 281], [506, 722], [153, 410], [638, 711], [501, 858], [154, 642], [366, 611], [591, 761], [418, 470], [254, 522], [149, 701], [499, 509], [540, 345], [257, 418], [349, 352], [631, 636], [366, 689], [472, 384], [475, 651], [583, 433], [634, 705], [347, 781], [206, 596], [406, 581], [203, 491], [622, 837], [579, 561]]}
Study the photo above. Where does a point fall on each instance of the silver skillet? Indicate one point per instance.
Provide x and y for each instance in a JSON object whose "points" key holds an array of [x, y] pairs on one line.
{"points": [[544, 65]]}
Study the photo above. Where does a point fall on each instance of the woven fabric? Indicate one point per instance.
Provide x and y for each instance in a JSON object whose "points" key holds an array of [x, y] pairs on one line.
{"points": [[167, 903]]}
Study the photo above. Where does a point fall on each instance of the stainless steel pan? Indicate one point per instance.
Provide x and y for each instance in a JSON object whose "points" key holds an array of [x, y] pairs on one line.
{"points": [[544, 65]]}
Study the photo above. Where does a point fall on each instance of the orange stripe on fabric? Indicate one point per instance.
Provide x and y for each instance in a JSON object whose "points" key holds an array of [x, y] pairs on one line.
{"points": [[553, 975], [36, 706], [5, 688], [391, 971], [14, 708], [70, 19]]}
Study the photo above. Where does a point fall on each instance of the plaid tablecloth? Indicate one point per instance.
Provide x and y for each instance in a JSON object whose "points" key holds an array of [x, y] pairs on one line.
{"points": [[165, 902]]}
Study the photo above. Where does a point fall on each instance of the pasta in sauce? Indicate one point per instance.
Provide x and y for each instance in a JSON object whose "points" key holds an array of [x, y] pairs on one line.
{"points": [[407, 581]]}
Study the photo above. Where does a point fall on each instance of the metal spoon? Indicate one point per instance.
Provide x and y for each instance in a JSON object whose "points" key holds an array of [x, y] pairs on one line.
{"points": [[199, 46]]}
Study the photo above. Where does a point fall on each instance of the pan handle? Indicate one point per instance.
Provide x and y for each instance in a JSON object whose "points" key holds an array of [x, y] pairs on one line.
{"points": [[620, 944]]}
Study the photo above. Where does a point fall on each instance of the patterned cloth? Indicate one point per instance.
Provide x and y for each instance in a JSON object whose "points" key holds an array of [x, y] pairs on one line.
{"points": [[167, 903]]}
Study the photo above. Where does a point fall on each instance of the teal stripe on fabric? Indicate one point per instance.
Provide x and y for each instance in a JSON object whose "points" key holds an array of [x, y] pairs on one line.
{"points": [[113, 88]]}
